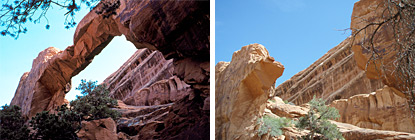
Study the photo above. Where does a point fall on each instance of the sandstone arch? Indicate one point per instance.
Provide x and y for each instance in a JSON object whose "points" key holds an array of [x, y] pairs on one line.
{"points": [[179, 30]]}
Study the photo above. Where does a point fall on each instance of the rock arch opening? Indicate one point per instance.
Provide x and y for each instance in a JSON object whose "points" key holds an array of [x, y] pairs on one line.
{"points": [[108, 61], [182, 34]]}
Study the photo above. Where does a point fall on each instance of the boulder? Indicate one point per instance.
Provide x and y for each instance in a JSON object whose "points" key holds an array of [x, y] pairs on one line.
{"points": [[278, 107], [242, 89], [103, 129]]}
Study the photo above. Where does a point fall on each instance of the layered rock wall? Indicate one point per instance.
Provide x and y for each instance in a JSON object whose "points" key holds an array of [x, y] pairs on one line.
{"points": [[277, 108], [333, 76], [242, 89], [385, 109], [146, 79]]}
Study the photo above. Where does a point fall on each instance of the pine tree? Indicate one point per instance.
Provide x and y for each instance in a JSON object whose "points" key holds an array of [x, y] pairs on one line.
{"points": [[95, 102]]}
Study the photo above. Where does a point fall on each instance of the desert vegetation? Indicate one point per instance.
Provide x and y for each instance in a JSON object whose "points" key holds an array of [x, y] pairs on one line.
{"points": [[65, 121]]}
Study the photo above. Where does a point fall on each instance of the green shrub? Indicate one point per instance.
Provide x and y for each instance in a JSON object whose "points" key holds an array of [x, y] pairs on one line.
{"points": [[272, 125], [95, 102], [12, 125], [61, 125], [66, 122], [316, 121]]}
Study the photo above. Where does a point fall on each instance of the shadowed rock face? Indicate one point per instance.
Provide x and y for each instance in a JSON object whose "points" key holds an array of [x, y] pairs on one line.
{"points": [[333, 76], [242, 89], [146, 79], [178, 29]]}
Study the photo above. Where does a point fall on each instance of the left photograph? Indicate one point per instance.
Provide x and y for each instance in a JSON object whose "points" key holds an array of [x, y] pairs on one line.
{"points": [[104, 69]]}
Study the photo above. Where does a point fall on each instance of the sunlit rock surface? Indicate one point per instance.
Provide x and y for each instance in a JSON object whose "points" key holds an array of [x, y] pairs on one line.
{"points": [[242, 89]]}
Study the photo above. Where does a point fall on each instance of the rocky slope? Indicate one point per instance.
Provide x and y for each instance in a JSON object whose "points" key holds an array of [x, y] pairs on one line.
{"points": [[333, 76], [177, 29], [277, 108], [242, 88]]}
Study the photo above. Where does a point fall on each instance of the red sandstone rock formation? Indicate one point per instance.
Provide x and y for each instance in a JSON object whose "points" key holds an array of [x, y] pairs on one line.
{"points": [[146, 79], [242, 89], [334, 76], [103, 129], [155, 104], [177, 29], [181, 33], [42, 88]]}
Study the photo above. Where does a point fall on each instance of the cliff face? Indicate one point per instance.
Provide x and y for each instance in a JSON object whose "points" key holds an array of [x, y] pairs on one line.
{"points": [[178, 30], [373, 22], [377, 110], [242, 89], [333, 76], [244, 94], [146, 79], [353, 81]]}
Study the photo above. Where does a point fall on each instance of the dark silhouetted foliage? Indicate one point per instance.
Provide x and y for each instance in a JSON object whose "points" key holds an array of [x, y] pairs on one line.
{"points": [[15, 13], [65, 122], [62, 125], [12, 125]]}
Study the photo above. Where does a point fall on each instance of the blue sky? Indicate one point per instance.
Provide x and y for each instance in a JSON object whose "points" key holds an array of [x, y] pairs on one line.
{"points": [[295, 32], [16, 56]]}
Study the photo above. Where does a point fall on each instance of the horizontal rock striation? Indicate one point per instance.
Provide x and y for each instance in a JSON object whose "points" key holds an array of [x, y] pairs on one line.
{"points": [[385, 109], [277, 108], [351, 132], [333, 76], [146, 79]]}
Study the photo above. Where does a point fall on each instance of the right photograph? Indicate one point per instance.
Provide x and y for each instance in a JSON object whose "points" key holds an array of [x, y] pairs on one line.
{"points": [[298, 69]]}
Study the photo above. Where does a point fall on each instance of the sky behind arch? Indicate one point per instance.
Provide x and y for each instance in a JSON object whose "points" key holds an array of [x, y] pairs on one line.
{"points": [[16, 56]]}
